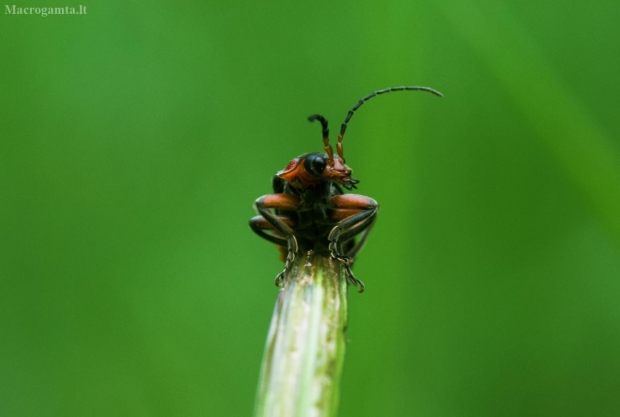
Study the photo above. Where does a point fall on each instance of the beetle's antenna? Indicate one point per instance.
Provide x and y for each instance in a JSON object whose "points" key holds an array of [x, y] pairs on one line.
{"points": [[328, 147], [343, 128]]}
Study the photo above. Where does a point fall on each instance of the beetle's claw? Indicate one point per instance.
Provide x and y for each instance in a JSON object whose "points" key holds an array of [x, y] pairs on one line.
{"points": [[279, 281], [354, 280]]}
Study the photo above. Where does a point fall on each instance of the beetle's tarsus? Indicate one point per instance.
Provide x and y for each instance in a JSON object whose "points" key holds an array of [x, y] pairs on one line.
{"points": [[292, 250], [347, 261]]}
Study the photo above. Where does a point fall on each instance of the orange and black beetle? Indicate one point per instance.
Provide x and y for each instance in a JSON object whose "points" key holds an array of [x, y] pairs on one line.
{"points": [[310, 209]]}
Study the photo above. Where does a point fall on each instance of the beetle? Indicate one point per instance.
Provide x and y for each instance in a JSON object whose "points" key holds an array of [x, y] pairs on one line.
{"points": [[309, 211]]}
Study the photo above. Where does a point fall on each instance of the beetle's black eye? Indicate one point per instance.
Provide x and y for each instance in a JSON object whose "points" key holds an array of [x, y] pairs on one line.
{"points": [[315, 164], [318, 164]]}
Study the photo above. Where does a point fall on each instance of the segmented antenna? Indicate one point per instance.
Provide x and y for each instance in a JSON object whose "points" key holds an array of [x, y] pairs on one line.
{"points": [[343, 128], [328, 147]]}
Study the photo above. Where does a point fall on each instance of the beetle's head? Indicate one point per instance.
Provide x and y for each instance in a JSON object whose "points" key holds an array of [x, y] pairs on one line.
{"points": [[312, 169]]}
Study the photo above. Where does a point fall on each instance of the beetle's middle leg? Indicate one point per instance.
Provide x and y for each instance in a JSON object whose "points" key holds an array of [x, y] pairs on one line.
{"points": [[288, 202]]}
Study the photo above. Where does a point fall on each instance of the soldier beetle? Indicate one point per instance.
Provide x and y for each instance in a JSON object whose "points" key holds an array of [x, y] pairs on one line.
{"points": [[309, 211]]}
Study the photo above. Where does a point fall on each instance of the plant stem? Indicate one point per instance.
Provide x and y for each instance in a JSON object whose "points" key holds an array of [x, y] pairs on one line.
{"points": [[304, 353]]}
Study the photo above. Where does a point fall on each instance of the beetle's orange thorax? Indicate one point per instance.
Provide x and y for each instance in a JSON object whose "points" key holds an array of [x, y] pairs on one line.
{"points": [[296, 175]]}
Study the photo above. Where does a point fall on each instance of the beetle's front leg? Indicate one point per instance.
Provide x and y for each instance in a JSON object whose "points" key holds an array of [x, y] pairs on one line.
{"points": [[288, 202], [357, 214]]}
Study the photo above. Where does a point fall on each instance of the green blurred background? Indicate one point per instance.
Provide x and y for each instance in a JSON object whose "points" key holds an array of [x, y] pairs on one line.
{"points": [[134, 140]]}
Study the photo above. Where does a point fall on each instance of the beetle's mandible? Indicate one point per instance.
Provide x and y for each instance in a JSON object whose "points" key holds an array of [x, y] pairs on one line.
{"points": [[309, 210]]}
